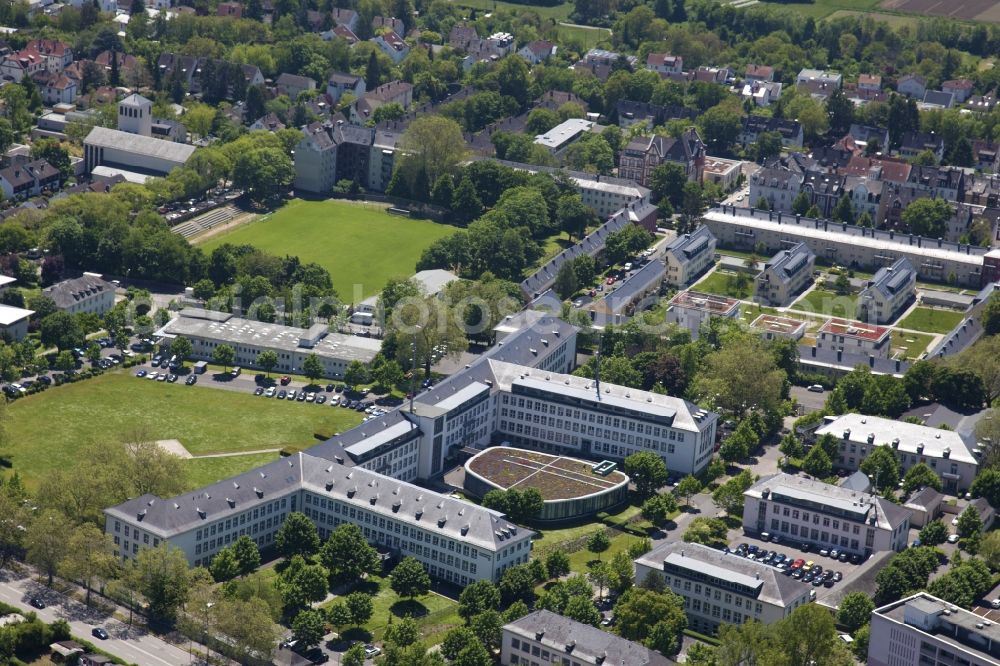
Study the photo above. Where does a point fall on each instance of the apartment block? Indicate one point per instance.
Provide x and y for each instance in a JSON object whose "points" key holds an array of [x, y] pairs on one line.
{"points": [[801, 509], [721, 588], [923, 630], [688, 256], [854, 337], [785, 276], [692, 310], [888, 293]]}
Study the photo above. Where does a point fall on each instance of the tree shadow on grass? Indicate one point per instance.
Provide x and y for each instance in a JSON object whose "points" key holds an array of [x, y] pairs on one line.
{"points": [[356, 634], [409, 607]]}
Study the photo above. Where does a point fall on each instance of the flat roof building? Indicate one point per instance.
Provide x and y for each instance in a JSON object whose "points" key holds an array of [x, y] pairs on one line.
{"points": [[207, 329], [772, 327], [944, 450], [559, 138], [692, 309], [801, 509], [854, 337], [546, 637], [925, 630], [133, 152], [934, 260], [721, 588], [14, 322], [689, 256]]}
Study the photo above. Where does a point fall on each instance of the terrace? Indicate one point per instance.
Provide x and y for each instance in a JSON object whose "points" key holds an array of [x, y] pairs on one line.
{"points": [[854, 329], [555, 477], [694, 300]]}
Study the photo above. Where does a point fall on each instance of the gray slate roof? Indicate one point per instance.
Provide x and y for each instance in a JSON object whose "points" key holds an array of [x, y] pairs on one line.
{"points": [[890, 280], [69, 292], [140, 145], [786, 264], [685, 248], [582, 642]]}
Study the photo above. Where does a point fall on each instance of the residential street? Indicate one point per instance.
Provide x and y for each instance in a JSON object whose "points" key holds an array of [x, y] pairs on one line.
{"points": [[135, 644]]}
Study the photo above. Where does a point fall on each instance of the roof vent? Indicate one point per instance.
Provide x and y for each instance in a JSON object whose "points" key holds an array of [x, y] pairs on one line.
{"points": [[539, 634], [442, 520], [201, 514], [570, 646], [947, 452], [352, 492], [329, 485], [847, 433], [260, 493], [465, 529], [231, 502], [418, 514], [373, 499], [396, 505], [920, 447], [139, 516], [895, 443]]}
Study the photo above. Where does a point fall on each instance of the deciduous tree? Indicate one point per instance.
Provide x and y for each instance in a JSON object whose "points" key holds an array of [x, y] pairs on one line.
{"points": [[297, 536], [410, 579]]}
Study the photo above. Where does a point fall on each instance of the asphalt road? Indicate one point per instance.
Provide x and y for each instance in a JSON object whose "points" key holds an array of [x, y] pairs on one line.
{"points": [[135, 644]]}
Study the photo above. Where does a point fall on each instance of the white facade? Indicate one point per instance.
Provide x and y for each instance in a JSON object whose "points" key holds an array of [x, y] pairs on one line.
{"points": [[804, 510], [944, 450], [855, 338], [14, 322], [689, 256], [785, 276], [887, 293], [928, 631], [135, 115], [133, 152], [90, 293], [721, 588], [691, 310]]}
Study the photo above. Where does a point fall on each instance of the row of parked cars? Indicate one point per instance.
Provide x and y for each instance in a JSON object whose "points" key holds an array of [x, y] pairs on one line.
{"points": [[799, 568], [165, 377]]}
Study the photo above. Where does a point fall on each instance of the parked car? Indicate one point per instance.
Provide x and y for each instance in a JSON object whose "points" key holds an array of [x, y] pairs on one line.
{"points": [[192, 380], [140, 373], [282, 394], [259, 390], [285, 380], [99, 632], [172, 378], [816, 388], [269, 393], [952, 538], [372, 651], [320, 399], [36, 602]]}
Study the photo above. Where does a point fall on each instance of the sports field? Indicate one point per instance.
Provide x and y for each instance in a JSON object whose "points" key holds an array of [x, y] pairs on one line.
{"points": [[360, 244], [47, 430]]}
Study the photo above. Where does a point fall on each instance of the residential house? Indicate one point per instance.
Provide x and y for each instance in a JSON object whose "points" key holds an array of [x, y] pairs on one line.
{"points": [[870, 82], [398, 92], [866, 135], [89, 293], [914, 143], [563, 135], [15, 66], [777, 185], [345, 17], [784, 276], [340, 82], [691, 310], [689, 256], [665, 64], [986, 155], [936, 99], [55, 88], [268, 122], [388, 24], [823, 77], [232, 10], [600, 61], [981, 103], [705, 74], [393, 46], [292, 85], [754, 126], [57, 55], [960, 88], [643, 154], [763, 93], [461, 36], [24, 179], [632, 113], [888, 293], [331, 152], [341, 32], [854, 337], [724, 173], [775, 327], [538, 51], [912, 85], [762, 73]]}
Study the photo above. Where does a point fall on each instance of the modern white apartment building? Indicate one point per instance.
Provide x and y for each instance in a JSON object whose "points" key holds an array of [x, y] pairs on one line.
{"points": [[692, 310], [854, 337], [773, 327], [923, 630], [208, 329], [944, 450], [544, 637], [785, 276], [858, 247], [88, 293], [689, 256], [804, 510], [455, 540], [721, 588], [889, 291]]}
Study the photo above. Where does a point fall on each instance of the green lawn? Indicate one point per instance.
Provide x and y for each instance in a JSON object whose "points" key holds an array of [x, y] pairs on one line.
{"points": [[47, 430], [588, 37], [724, 283], [434, 614], [557, 12], [931, 320], [823, 8], [828, 303], [360, 244], [915, 344], [205, 471]]}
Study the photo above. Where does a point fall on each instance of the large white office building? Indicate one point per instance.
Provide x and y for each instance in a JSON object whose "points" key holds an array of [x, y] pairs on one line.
{"points": [[208, 329], [800, 509], [923, 630], [721, 588], [944, 450]]}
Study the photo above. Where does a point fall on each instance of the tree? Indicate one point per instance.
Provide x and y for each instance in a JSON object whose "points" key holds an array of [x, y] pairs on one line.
{"points": [[224, 565], [720, 126], [423, 325], [573, 216], [312, 367], [566, 283], [433, 145], [308, 629], [969, 523], [361, 606], [729, 496], [163, 578], [267, 359], [89, 555], [623, 244], [987, 484], [934, 533], [356, 373], [667, 182], [65, 361], [410, 579], [768, 145], [801, 204], [737, 446], [61, 330], [224, 355], [455, 640], [347, 555], [479, 597], [600, 575], [355, 655], [647, 471], [742, 376], [338, 614], [990, 316], [687, 487], [466, 205], [488, 628], [706, 531], [297, 536], [639, 611], [855, 610], [843, 211], [882, 467], [556, 563], [928, 217], [388, 374], [247, 555], [658, 508], [264, 173], [817, 463], [182, 348], [517, 582], [598, 542], [403, 633], [45, 542], [921, 476], [582, 610]]}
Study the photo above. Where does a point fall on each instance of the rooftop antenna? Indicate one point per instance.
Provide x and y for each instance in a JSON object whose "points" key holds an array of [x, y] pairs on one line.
{"points": [[597, 373]]}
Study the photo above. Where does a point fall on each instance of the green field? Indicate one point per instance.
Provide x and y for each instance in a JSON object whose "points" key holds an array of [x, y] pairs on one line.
{"points": [[360, 244], [931, 320], [723, 283], [823, 8], [557, 12], [47, 430], [828, 304], [589, 37], [915, 344]]}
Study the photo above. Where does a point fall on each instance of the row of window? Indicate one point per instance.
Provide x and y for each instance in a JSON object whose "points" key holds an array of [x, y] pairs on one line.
{"points": [[535, 650]]}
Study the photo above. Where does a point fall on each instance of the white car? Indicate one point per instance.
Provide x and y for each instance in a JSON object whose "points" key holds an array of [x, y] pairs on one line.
{"points": [[815, 388], [995, 603], [952, 538], [954, 521]]}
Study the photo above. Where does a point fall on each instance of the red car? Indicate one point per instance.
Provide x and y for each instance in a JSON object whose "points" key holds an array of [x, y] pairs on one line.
{"points": [[285, 380], [610, 280], [797, 564]]}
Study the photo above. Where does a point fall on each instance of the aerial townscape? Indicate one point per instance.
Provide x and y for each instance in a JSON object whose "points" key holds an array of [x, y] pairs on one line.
{"points": [[499, 332]]}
